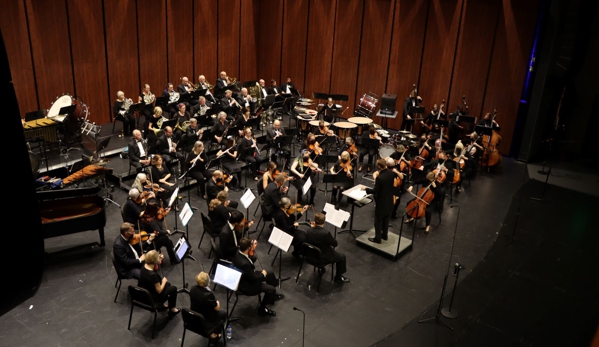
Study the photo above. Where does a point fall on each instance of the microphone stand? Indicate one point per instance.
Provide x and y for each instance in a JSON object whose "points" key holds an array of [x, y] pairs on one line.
{"points": [[437, 317], [303, 325]]}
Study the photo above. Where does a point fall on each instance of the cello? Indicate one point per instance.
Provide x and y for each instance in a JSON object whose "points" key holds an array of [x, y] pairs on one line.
{"points": [[416, 209], [491, 155]]}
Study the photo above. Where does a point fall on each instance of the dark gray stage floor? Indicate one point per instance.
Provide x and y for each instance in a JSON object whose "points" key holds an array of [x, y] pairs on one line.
{"points": [[539, 290], [74, 307]]}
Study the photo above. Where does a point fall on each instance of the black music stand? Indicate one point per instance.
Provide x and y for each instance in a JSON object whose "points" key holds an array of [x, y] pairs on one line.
{"points": [[340, 177], [35, 115], [136, 108], [182, 251], [195, 95], [162, 101]]}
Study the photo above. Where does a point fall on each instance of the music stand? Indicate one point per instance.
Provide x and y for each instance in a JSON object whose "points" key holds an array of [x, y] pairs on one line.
{"points": [[135, 108], [229, 277], [35, 115], [340, 177], [358, 200], [182, 251], [282, 241], [335, 217], [162, 101]]}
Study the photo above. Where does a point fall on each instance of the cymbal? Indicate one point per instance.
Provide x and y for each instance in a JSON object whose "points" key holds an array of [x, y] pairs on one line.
{"points": [[411, 136], [377, 126], [305, 103], [404, 132], [306, 100]]}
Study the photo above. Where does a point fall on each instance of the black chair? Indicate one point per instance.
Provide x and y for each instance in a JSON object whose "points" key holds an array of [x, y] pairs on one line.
{"points": [[214, 248], [143, 299], [207, 223], [239, 292], [119, 278], [265, 217], [195, 322], [114, 122], [312, 255]]}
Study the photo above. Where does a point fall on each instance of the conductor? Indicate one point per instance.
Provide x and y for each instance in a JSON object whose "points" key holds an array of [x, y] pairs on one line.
{"points": [[383, 197]]}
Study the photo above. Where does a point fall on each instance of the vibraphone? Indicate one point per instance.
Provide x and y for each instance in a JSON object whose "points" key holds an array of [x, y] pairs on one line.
{"points": [[43, 127]]}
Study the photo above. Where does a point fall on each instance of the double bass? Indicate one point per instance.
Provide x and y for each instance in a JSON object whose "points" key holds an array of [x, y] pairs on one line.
{"points": [[491, 155]]}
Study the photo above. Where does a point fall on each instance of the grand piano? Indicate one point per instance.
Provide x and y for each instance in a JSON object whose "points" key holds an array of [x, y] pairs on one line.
{"points": [[68, 211]]}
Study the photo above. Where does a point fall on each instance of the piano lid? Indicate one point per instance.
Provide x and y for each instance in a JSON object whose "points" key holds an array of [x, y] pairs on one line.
{"points": [[67, 193]]}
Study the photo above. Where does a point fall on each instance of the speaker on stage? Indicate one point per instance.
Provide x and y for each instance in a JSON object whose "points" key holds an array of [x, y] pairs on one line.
{"points": [[388, 103]]}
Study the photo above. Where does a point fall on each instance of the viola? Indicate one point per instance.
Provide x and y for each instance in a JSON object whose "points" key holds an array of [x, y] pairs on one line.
{"points": [[162, 212], [315, 148], [145, 195], [244, 224]]}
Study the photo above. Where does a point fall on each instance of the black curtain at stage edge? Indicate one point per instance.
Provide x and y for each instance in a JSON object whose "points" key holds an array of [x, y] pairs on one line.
{"points": [[22, 239]]}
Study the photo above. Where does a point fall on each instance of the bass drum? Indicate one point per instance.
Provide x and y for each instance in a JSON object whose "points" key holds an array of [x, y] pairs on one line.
{"points": [[386, 150], [72, 122]]}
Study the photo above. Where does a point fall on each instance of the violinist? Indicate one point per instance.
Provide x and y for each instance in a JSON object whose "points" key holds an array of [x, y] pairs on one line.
{"points": [[129, 257], [152, 224], [349, 146], [383, 196], [286, 220], [273, 194], [219, 213], [159, 287], [161, 176], [268, 177], [312, 145], [323, 131], [196, 162], [439, 193], [303, 168], [250, 153], [369, 147], [134, 206], [324, 241], [229, 236], [229, 160], [343, 167], [217, 184]]}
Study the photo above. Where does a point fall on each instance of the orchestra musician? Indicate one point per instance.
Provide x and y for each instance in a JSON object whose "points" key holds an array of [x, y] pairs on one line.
{"points": [[219, 128], [228, 159], [148, 100], [158, 286], [196, 162], [151, 224], [411, 101], [323, 240], [394, 166], [453, 164], [152, 128], [229, 235], [368, 147], [343, 167], [204, 302], [268, 177], [217, 184], [245, 99], [274, 90], [263, 91], [138, 151], [328, 111], [303, 168], [223, 81], [193, 133], [350, 147], [255, 282], [202, 113], [181, 116], [273, 135], [219, 211], [454, 124], [185, 88], [142, 185], [167, 147], [432, 117], [203, 83], [250, 153], [273, 194], [312, 146], [135, 204], [129, 258], [474, 149], [383, 196], [288, 87], [161, 175], [488, 122], [286, 220], [173, 99], [229, 105], [439, 193], [121, 112], [242, 122]]}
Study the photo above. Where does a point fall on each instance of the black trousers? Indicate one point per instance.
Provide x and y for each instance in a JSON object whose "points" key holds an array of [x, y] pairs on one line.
{"points": [[340, 263], [268, 287], [381, 226], [200, 176], [168, 293], [254, 163], [299, 184], [164, 241], [128, 123], [371, 155]]}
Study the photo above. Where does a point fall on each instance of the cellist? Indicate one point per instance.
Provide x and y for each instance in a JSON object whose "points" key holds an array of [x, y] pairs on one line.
{"points": [[434, 187]]}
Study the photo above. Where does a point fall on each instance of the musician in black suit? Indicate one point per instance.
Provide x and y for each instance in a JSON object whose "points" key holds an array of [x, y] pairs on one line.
{"points": [[329, 110], [383, 196], [255, 282], [249, 152], [193, 133], [273, 194], [204, 302], [223, 81], [274, 134], [411, 101], [229, 105], [274, 90], [123, 114], [167, 147], [133, 207], [217, 184], [288, 87], [263, 89], [138, 151], [321, 238], [218, 129], [185, 88], [229, 237], [286, 220], [129, 257], [173, 99]]}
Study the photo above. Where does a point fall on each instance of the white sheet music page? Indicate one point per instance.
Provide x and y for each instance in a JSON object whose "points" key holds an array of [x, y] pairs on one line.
{"points": [[307, 186], [247, 198]]}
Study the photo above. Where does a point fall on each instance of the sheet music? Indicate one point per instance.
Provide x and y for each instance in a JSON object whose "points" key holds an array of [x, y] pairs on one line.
{"points": [[173, 197], [328, 207], [185, 214], [181, 248], [337, 217], [280, 239], [247, 198], [307, 185], [226, 276], [357, 194]]}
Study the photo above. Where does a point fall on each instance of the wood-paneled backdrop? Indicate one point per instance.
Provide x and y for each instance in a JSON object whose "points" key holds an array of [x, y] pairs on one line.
{"points": [[449, 48]]}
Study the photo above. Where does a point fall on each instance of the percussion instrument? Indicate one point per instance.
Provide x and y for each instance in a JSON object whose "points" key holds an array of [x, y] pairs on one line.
{"points": [[411, 136], [305, 103], [404, 132], [44, 127], [344, 129], [360, 122], [386, 150], [304, 123], [384, 134], [305, 100], [314, 124], [300, 109], [377, 126], [72, 122], [367, 104]]}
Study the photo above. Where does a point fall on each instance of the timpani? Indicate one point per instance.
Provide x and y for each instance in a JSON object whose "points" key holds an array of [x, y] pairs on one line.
{"points": [[314, 124], [344, 129], [360, 123]]}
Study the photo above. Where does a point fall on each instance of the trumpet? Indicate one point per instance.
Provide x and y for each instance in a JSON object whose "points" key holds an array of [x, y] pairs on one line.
{"points": [[231, 80]]}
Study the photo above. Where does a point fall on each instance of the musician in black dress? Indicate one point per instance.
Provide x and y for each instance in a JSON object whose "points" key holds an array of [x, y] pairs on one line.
{"points": [[228, 158], [148, 101], [121, 112], [196, 162], [368, 147], [268, 177], [219, 129], [158, 286], [242, 122], [329, 110], [153, 127], [436, 189], [432, 117], [344, 169], [181, 116], [303, 168], [250, 153], [204, 302], [219, 214], [162, 176]]}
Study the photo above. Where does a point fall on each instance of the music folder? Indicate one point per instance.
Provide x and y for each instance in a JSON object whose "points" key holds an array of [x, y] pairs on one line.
{"points": [[280, 239], [228, 277]]}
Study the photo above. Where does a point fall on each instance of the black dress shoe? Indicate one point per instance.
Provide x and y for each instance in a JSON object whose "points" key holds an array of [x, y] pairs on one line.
{"points": [[263, 311], [374, 240], [384, 238], [280, 297], [341, 278], [172, 314]]}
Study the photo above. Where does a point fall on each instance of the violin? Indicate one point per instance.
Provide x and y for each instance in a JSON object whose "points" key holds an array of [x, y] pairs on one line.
{"points": [[315, 148], [162, 212], [325, 131], [252, 250], [244, 224], [144, 196], [226, 179], [141, 236], [294, 208], [352, 150]]}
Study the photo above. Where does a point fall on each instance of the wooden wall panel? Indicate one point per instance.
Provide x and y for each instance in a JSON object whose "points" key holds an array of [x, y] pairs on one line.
{"points": [[346, 51], [205, 21], [13, 25], [439, 50], [51, 49], [89, 58], [509, 63], [151, 28], [319, 59], [180, 41], [293, 55], [269, 40], [250, 30], [474, 54], [375, 47], [409, 24], [121, 48], [228, 37]]}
